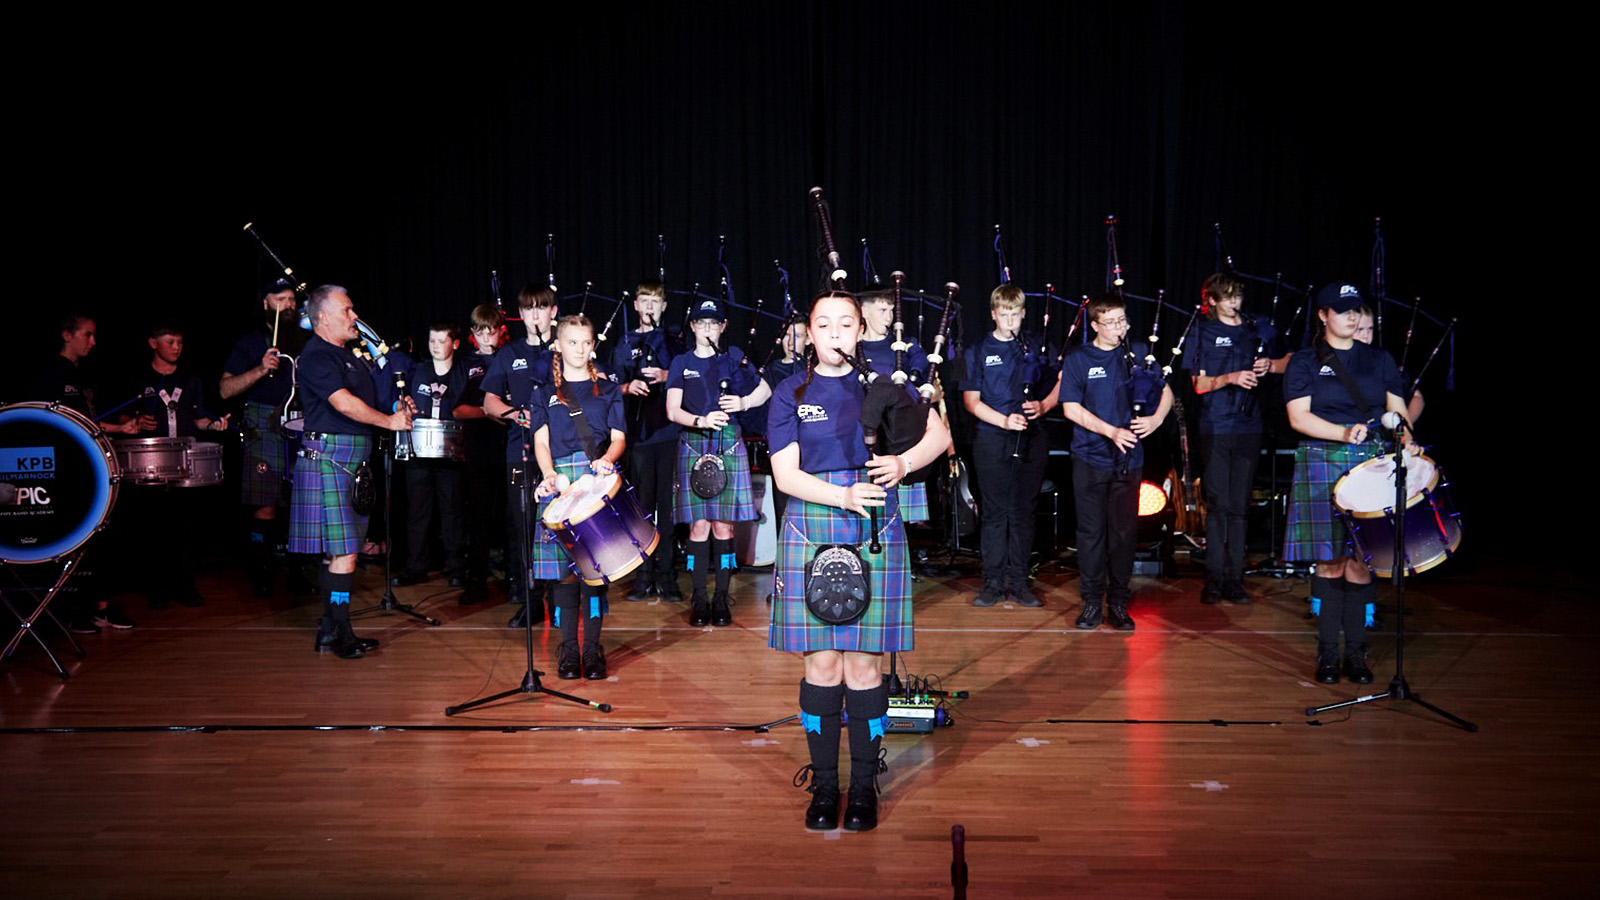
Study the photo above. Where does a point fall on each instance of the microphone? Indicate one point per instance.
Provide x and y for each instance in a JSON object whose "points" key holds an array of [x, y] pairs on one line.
{"points": [[1393, 421]]}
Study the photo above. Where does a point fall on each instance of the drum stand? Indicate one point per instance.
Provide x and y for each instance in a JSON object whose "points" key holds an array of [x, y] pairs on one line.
{"points": [[389, 603], [1399, 688], [26, 623], [530, 680]]}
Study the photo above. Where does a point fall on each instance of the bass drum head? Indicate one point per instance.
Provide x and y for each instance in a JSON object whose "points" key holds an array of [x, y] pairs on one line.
{"points": [[1368, 489], [58, 482]]}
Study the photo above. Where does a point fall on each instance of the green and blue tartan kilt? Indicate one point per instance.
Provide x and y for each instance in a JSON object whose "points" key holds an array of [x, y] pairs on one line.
{"points": [[913, 503], [266, 458], [321, 519], [886, 626], [736, 503], [1314, 531], [546, 557]]}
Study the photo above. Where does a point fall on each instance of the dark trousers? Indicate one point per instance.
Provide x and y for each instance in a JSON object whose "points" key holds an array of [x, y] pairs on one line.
{"points": [[651, 472], [519, 531], [484, 495], [1108, 528], [1008, 491], [155, 528], [434, 484], [1230, 470]]}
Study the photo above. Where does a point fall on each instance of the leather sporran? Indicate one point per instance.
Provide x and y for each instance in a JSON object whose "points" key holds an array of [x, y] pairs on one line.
{"points": [[363, 490], [709, 476], [838, 588]]}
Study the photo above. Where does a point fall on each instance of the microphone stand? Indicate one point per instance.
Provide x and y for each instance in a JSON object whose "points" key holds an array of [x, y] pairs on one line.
{"points": [[1399, 688], [389, 603], [530, 683]]}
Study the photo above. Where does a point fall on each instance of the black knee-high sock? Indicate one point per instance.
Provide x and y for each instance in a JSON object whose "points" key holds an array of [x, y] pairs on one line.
{"points": [[723, 557], [1357, 596], [1330, 618], [564, 600], [819, 714], [337, 587], [594, 612], [868, 711], [699, 564]]}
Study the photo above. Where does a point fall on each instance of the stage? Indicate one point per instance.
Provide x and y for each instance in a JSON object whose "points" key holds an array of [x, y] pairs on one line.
{"points": [[210, 752]]}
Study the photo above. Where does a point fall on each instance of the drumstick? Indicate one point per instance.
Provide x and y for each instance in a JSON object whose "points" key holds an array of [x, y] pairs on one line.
{"points": [[276, 314]]}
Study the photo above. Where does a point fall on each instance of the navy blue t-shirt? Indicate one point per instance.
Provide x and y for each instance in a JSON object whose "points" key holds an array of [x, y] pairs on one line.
{"points": [[476, 366], [182, 387], [1098, 381], [435, 395], [517, 369], [603, 414], [60, 380], [1219, 349], [324, 369], [272, 389], [997, 370], [699, 377], [880, 354], [826, 423], [646, 416], [1371, 368]]}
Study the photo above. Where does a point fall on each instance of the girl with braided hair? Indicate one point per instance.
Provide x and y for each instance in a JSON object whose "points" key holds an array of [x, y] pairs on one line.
{"points": [[563, 455], [820, 459]]}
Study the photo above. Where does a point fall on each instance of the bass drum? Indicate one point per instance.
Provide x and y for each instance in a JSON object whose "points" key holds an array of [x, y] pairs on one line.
{"points": [[1364, 499], [58, 482]]}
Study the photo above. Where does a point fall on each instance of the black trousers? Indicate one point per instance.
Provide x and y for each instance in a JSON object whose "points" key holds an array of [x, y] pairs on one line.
{"points": [[1008, 491], [651, 471], [1230, 470], [435, 484], [484, 495], [1108, 528], [519, 531]]}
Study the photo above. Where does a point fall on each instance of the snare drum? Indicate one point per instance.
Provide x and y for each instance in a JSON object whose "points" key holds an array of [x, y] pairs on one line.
{"points": [[437, 439], [1364, 499], [154, 460], [598, 522], [204, 465], [58, 482]]}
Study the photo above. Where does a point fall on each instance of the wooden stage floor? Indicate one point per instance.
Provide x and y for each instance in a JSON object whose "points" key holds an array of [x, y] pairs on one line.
{"points": [[1173, 762]]}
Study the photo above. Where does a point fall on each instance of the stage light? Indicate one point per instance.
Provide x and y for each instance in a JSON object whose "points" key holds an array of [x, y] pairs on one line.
{"points": [[1152, 499]]}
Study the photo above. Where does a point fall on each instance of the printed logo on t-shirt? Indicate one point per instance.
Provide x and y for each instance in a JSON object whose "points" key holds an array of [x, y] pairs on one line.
{"points": [[993, 360], [811, 412], [1224, 341], [1097, 371], [1325, 370], [554, 399], [518, 363], [691, 373]]}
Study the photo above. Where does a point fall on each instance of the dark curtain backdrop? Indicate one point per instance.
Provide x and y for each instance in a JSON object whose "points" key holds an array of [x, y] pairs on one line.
{"points": [[406, 166]]}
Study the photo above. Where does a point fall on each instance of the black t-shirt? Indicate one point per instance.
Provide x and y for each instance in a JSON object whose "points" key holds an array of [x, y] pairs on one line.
{"points": [[184, 394], [272, 389], [325, 369], [59, 380], [435, 395], [1371, 369]]}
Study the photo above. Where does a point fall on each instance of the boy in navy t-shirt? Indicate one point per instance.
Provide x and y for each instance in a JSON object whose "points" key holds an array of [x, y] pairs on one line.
{"points": [[1096, 393]]}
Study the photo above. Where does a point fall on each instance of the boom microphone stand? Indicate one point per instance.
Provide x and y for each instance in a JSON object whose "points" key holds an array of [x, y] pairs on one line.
{"points": [[1399, 688], [530, 680]]}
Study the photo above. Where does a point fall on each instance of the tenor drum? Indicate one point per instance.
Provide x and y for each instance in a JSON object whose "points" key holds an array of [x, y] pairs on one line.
{"points": [[58, 482], [1364, 499], [154, 460], [437, 439], [600, 525]]}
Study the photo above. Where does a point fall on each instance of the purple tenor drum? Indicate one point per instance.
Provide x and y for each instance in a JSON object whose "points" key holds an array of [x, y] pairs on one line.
{"points": [[598, 522], [1364, 499]]}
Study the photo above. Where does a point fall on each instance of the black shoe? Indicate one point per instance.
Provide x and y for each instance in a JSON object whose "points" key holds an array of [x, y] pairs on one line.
{"points": [[1090, 618], [111, 617], [668, 590], [475, 591], [641, 590], [1211, 594], [721, 615], [568, 666], [1355, 665], [84, 625], [988, 596], [1233, 591], [822, 814], [1024, 596], [519, 619], [406, 579], [861, 813], [1327, 663], [699, 611], [1117, 617], [594, 664], [329, 641]]}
